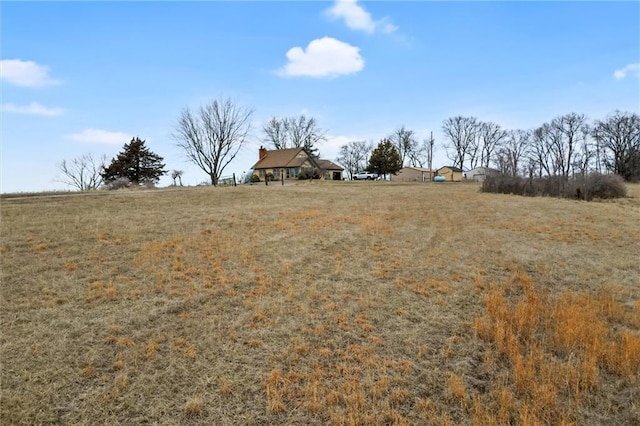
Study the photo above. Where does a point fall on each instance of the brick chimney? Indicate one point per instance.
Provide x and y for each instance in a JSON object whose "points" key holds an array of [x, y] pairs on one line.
{"points": [[263, 152]]}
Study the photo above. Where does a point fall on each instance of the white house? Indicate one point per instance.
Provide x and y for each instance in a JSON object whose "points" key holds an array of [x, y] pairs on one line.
{"points": [[479, 173]]}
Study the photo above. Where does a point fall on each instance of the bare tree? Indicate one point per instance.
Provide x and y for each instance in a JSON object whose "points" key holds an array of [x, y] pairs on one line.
{"points": [[406, 143], [568, 132], [304, 132], [275, 133], [618, 137], [513, 151], [584, 160], [540, 157], [293, 132], [213, 136], [176, 174], [490, 136], [461, 133], [354, 156], [83, 173], [419, 157]]}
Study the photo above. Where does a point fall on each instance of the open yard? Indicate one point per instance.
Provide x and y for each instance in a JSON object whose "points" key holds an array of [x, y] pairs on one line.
{"points": [[359, 303]]}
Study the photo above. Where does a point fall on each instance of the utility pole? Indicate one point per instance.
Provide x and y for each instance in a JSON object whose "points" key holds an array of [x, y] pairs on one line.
{"points": [[431, 157], [597, 138]]}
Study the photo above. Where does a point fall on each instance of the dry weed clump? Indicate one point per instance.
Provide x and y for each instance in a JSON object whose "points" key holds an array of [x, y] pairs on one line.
{"points": [[194, 407], [557, 349]]}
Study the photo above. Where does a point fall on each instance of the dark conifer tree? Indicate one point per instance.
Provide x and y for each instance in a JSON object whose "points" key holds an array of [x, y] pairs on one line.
{"points": [[385, 159], [136, 163]]}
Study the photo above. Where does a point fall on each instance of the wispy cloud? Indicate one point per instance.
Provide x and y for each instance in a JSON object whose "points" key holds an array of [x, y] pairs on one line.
{"points": [[33, 108], [323, 57], [25, 73], [100, 136], [631, 69], [357, 18]]}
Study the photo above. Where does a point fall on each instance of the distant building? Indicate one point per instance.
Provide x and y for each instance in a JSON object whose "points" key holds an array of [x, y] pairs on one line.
{"points": [[330, 170], [290, 163], [480, 173], [450, 173], [412, 174]]}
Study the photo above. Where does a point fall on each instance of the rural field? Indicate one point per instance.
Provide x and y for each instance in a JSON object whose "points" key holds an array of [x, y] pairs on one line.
{"points": [[346, 303]]}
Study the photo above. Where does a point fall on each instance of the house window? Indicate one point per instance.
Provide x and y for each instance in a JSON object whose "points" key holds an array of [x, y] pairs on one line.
{"points": [[262, 174], [276, 174], [292, 172]]}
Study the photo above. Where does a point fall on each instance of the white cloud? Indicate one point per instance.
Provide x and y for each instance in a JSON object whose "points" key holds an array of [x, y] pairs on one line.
{"points": [[387, 27], [33, 108], [629, 69], [357, 18], [101, 136], [323, 57], [25, 73]]}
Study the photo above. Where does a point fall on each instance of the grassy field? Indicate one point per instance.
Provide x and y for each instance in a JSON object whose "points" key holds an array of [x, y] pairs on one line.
{"points": [[347, 303]]}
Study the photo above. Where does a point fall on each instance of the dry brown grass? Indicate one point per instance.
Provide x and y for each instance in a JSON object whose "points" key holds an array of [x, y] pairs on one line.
{"points": [[342, 303]]}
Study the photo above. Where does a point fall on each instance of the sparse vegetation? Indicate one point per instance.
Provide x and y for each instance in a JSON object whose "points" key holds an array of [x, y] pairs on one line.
{"points": [[180, 306], [119, 183], [581, 187]]}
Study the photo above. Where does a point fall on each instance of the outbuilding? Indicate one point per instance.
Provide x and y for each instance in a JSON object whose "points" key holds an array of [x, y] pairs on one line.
{"points": [[450, 173], [412, 174], [480, 173]]}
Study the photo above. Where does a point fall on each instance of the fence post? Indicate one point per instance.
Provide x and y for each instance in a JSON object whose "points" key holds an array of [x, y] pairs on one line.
{"points": [[234, 180]]}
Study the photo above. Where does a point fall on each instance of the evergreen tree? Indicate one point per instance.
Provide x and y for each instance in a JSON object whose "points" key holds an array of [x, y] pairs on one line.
{"points": [[135, 163], [385, 159]]}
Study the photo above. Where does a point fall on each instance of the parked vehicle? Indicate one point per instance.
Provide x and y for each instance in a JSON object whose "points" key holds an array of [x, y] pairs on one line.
{"points": [[365, 176]]}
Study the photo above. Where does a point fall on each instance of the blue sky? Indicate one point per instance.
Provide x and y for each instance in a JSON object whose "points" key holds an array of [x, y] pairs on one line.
{"points": [[85, 77]]}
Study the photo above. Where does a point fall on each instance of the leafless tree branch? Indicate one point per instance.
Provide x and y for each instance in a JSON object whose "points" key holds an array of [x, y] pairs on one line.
{"points": [[212, 136], [84, 172]]}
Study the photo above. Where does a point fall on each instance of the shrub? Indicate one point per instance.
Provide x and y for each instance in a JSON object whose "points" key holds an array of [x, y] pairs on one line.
{"points": [[302, 176], [119, 183], [255, 178], [270, 177], [584, 187], [597, 186]]}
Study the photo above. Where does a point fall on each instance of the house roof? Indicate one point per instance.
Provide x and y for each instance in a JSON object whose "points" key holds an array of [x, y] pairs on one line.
{"points": [[483, 169], [291, 157], [420, 169], [452, 168], [328, 165]]}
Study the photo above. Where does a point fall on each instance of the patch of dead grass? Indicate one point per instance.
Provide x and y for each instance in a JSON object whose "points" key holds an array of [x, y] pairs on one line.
{"points": [[326, 303]]}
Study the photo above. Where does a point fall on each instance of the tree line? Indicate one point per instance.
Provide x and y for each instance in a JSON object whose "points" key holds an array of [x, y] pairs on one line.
{"points": [[567, 145], [212, 136]]}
